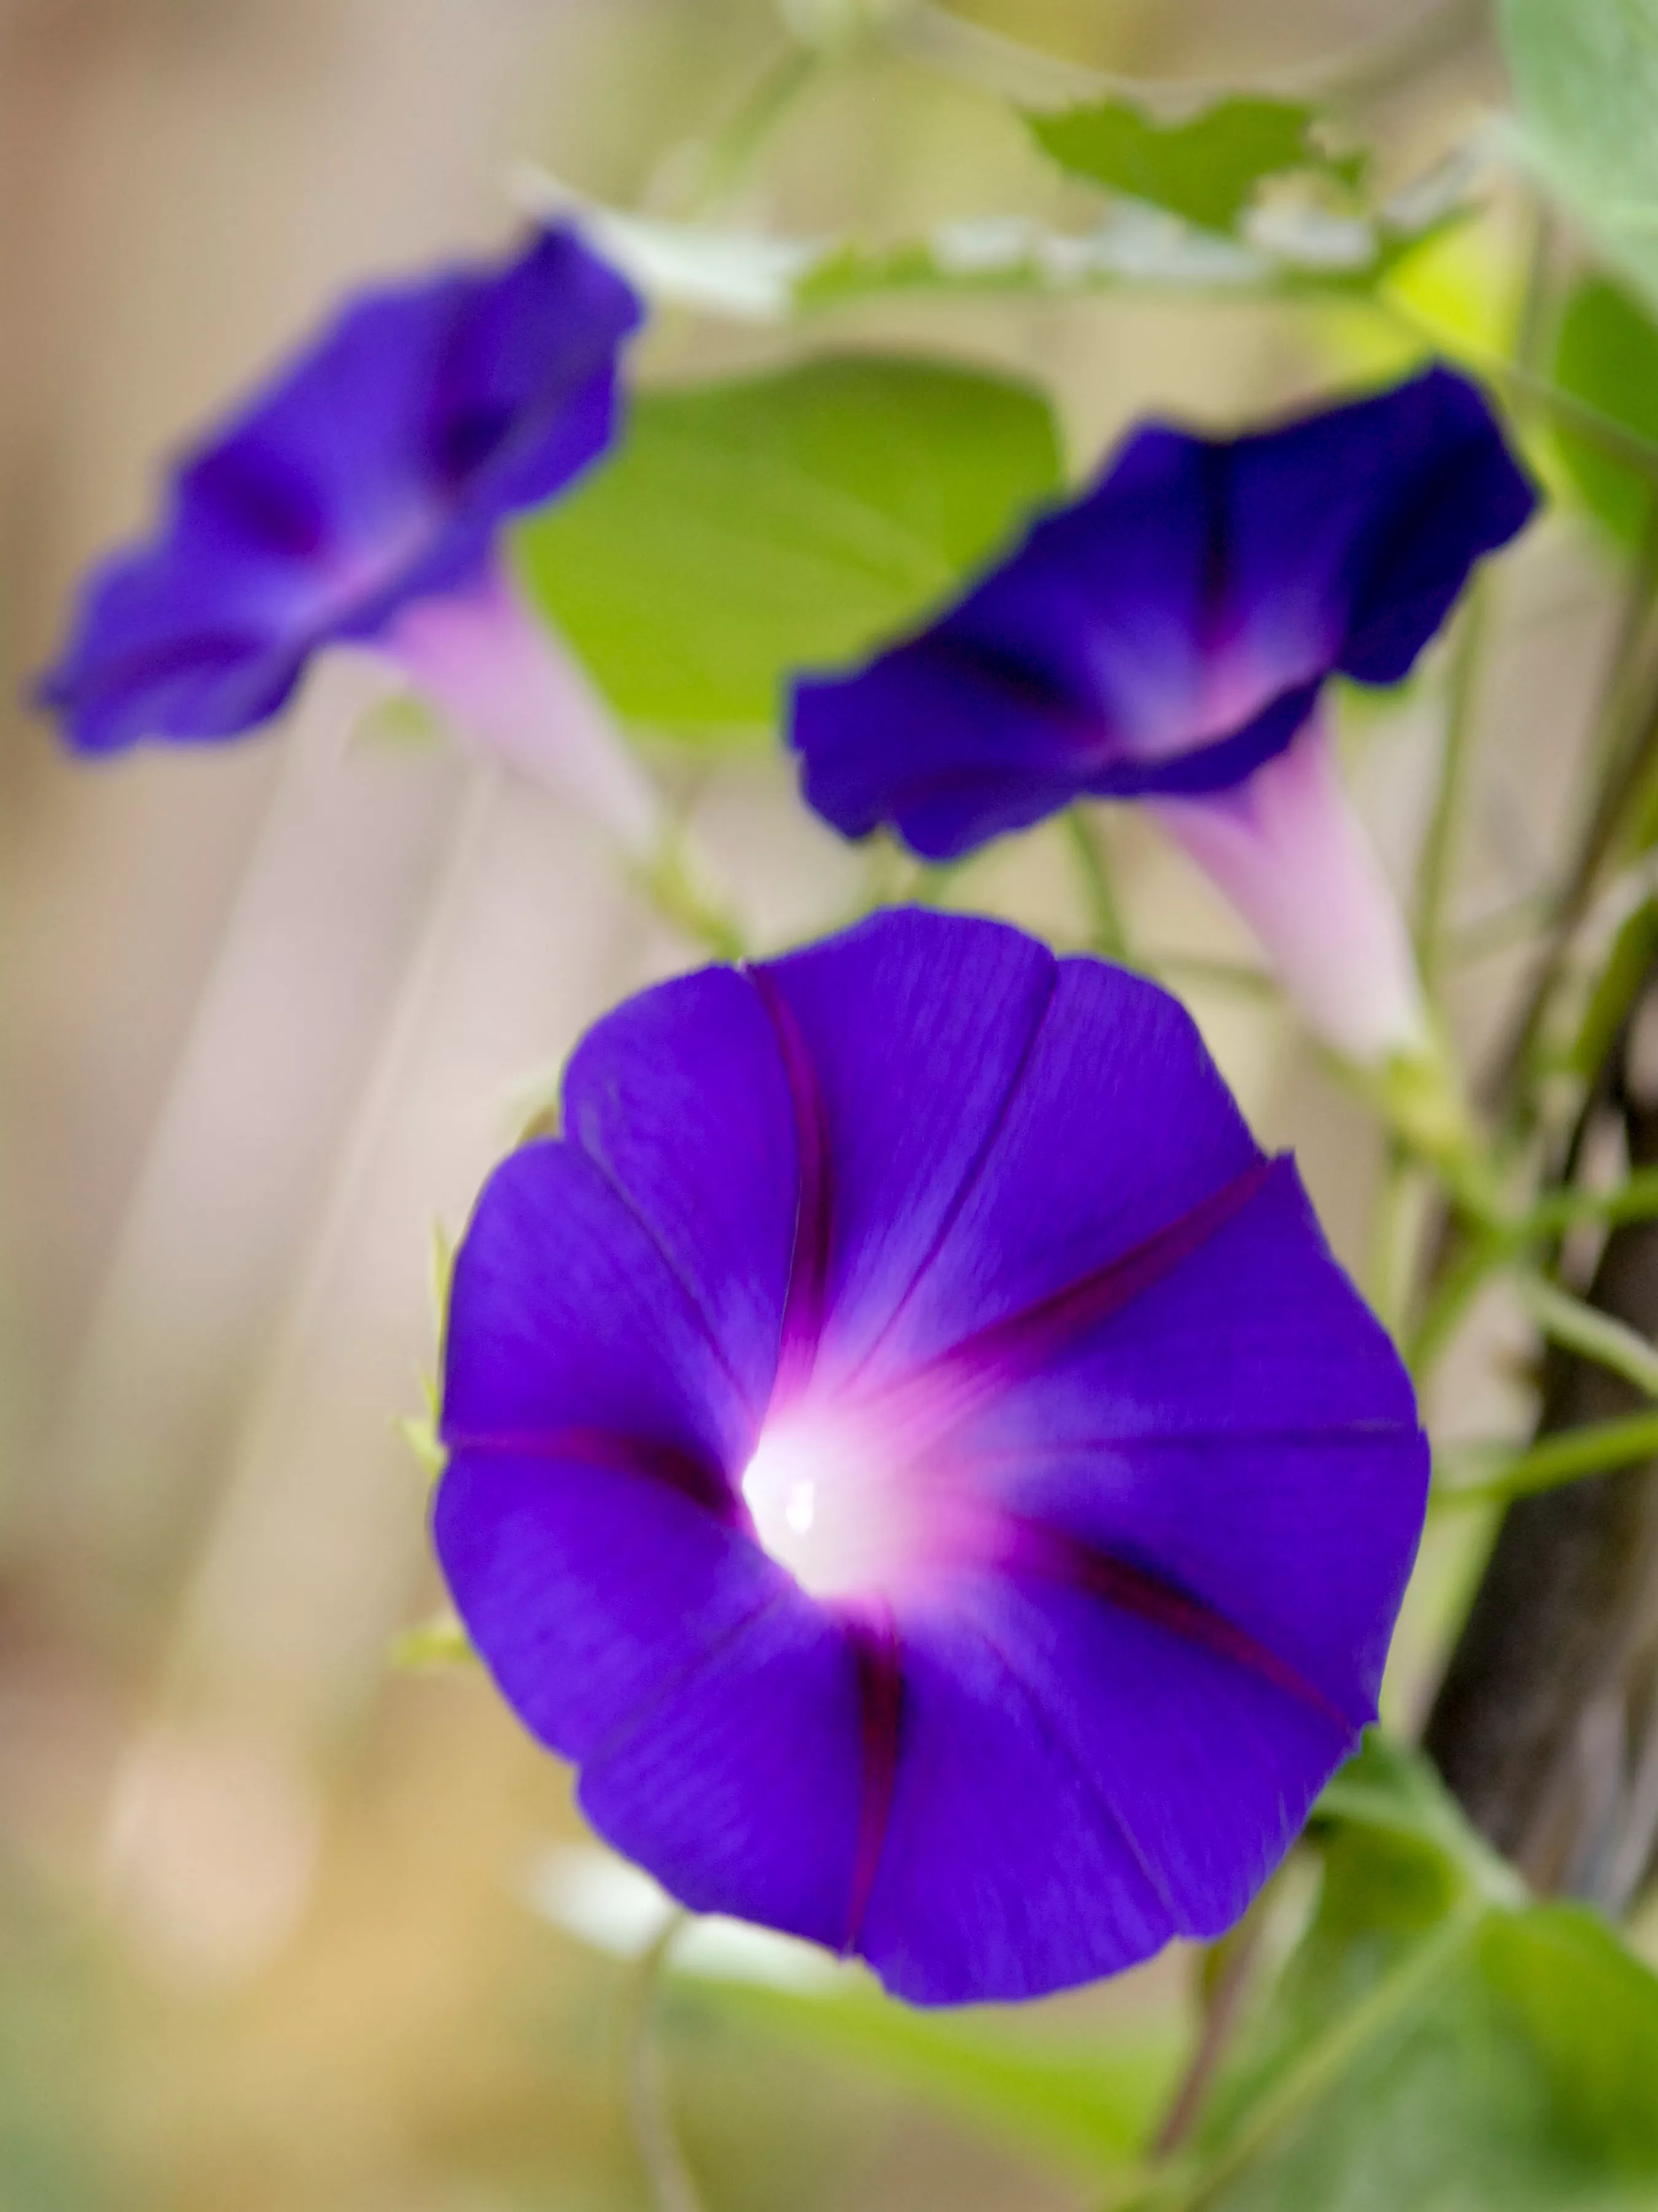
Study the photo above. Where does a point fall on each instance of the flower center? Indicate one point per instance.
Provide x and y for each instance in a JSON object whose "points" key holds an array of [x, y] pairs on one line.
{"points": [[843, 1514], [866, 1500]]}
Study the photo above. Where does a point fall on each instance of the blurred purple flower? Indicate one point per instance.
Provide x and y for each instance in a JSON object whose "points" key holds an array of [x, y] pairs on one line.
{"points": [[358, 496], [915, 1452], [1166, 637]]}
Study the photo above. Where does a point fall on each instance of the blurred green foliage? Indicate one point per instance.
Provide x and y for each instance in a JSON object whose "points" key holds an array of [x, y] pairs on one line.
{"points": [[1207, 170], [1084, 2102], [747, 529], [1439, 2041], [1585, 76], [1606, 355]]}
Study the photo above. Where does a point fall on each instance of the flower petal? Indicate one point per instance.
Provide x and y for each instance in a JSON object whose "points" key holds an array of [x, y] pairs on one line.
{"points": [[679, 1099], [1208, 1764], [1256, 1332], [743, 1789], [1300, 1541], [877, 1015], [1004, 1872], [592, 1591], [567, 1322], [1118, 1125], [719, 1716]]}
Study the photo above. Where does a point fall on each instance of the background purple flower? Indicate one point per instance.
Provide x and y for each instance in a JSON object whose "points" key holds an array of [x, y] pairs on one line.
{"points": [[1169, 630], [364, 486], [917, 1456], [1166, 637]]}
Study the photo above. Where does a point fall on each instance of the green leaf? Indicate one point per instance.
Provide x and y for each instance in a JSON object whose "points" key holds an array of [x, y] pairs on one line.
{"points": [[1585, 76], [1606, 355], [746, 529], [1436, 2041], [1206, 171], [1082, 2104], [1388, 1788]]}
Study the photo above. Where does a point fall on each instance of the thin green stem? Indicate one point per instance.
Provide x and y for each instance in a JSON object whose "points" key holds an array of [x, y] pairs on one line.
{"points": [[1433, 874], [1474, 1254], [1598, 1448], [930, 885], [1105, 925], [673, 883], [671, 2187], [1635, 1199], [1483, 1250], [1592, 1335], [729, 152], [1236, 1957], [1395, 1232], [1496, 932], [1192, 971]]}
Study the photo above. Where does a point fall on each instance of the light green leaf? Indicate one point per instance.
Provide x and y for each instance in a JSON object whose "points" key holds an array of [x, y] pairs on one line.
{"points": [[1606, 355], [1392, 1789], [1085, 2104], [1207, 170], [1585, 75], [751, 528], [1435, 2043]]}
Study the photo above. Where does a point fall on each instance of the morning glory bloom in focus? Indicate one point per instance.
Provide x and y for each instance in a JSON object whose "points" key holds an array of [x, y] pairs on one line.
{"points": [[1166, 638], [358, 497], [917, 1455]]}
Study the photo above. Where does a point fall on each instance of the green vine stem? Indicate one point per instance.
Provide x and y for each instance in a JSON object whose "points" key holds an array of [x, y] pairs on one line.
{"points": [[671, 2187], [1107, 934], [1439, 848]]}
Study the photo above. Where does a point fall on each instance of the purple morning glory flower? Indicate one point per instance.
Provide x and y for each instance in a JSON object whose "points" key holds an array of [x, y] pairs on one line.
{"points": [[917, 1456], [1166, 638], [358, 496]]}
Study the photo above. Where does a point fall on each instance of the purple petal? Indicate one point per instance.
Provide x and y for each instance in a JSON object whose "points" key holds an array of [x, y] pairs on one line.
{"points": [[1169, 631], [374, 469], [679, 1099], [719, 1718], [1258, 1331], [1118, 1125], [1208, 1761], [1299, 1539], [1006, 1871], [742, 1789], [877, 1015], [569, 1323], [592, 1591]]}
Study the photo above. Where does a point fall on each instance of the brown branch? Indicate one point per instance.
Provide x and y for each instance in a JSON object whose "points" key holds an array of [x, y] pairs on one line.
{"points": [[1545, 1726]]}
